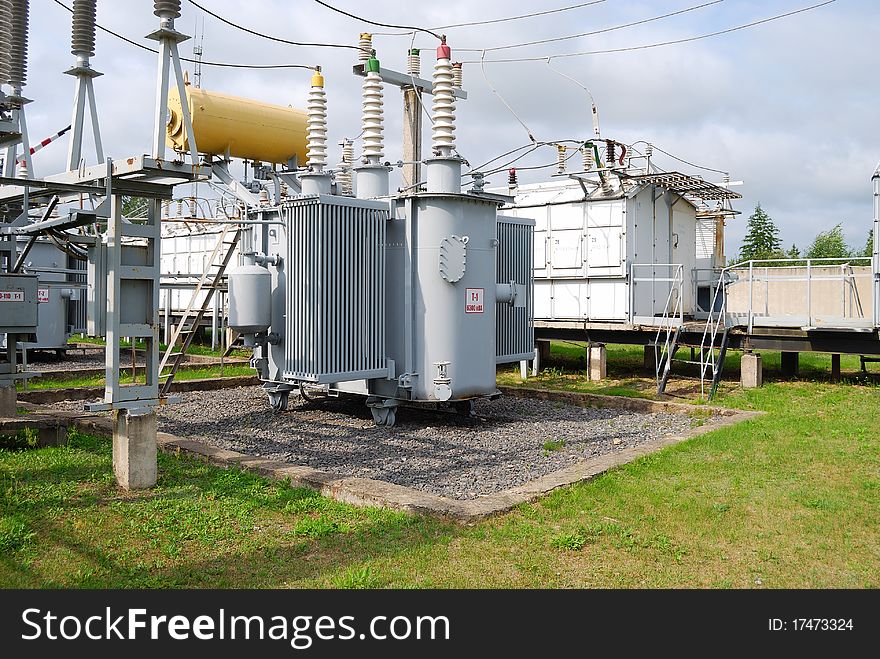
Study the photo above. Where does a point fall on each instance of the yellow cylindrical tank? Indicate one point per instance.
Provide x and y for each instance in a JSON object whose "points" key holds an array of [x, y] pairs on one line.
{"points": [[238, 127]]}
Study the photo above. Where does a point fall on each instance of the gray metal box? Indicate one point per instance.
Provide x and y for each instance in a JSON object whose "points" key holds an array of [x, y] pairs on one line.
{"points": [[18, 303]]}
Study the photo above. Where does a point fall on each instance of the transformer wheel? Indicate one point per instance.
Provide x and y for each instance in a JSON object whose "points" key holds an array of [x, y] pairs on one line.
{"points": [[463, 407], [384, 416], [279, 400]]}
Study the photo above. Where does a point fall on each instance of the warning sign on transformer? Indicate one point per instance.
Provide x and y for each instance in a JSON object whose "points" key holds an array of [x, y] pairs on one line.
{"points": [[473, 302]]}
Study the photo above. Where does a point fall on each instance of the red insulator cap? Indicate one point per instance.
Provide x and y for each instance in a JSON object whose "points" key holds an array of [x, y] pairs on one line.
{"points": [[444, 52]]}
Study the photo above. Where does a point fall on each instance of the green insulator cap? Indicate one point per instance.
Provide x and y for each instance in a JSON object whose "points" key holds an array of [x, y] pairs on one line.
{"points": [[414, 51], [372, 65]]}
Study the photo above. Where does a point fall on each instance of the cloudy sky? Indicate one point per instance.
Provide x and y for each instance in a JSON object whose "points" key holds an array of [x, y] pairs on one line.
{"points": [[790, 107]]}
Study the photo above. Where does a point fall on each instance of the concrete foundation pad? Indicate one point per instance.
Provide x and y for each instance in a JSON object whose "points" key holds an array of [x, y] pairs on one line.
{"points": [[370, 492], [751, 371], [50, 430], [134, 450], [598, 362], [8, 400]]}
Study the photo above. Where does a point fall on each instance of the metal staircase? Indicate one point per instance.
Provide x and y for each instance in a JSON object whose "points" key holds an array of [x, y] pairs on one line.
{"points": [[715, 325], [209, 283], [713, 344], [669, 330]]}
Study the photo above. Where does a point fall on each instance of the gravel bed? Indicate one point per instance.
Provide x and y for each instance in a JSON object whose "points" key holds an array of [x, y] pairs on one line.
{"points": [[460, 457]]}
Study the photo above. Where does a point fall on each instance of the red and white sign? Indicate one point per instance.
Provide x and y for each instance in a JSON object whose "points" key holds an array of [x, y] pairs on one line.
{"points": [[11, 296], [473, 300], [42, 295]]}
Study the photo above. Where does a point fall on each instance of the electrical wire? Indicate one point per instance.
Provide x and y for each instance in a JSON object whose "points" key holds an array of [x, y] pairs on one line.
{"points": [[268, 36], [530, 167], [227, 65], [409, 28], [501, 98], [686, 162], [595, 32], [659, 44], [516, 18]]}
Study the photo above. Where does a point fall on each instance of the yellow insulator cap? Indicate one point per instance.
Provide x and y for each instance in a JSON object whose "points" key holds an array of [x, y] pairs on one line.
{"points": [[366, 36], [317, 80]]}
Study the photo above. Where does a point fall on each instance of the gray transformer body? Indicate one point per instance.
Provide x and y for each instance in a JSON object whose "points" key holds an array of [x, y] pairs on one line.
{"points": [[396, 301]]}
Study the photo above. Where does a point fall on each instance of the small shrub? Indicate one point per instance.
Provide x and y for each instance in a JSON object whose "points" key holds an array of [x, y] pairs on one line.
{"points": [[554, 445], [357, 579], [20, 441], [570, 541], [14, 534], [316, 527]]}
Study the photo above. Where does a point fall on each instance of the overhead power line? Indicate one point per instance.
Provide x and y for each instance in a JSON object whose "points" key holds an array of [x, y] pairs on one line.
{"points": [[656, 45], [594, 32], [368, 21], [521, 16], [228, 65], [269, 36]]}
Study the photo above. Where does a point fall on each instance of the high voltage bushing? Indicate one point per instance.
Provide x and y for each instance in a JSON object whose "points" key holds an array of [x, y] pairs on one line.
{"points": [[166, 8], [82, 35], [365, 46], [317, 124], [17, 68], [5, 37], [372, 113], [443, 108]]}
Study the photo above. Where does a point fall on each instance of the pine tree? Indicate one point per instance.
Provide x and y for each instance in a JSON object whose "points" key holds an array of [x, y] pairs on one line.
{"points": [[869, 244], [762, 238], [829, 245], [793, 253]]}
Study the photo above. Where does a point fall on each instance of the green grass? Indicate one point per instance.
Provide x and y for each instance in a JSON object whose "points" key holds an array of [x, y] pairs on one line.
{"points": [[554, 445], [190, 373], [787, 499]]}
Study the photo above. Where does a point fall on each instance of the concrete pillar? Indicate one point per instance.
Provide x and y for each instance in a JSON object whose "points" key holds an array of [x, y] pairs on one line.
{"points": [[7, 401], [835, 368], [751, 373], [543, 346], [134, 450], [650, 358], [597, 362], [790, 364]]}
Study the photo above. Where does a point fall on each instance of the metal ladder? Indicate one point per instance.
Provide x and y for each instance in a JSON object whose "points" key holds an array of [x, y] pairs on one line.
{"points": [[208, 282], [715, 325], [670, 331]]}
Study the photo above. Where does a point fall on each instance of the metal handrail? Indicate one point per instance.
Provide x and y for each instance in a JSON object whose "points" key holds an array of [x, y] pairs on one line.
{"points": [[667, 323]]}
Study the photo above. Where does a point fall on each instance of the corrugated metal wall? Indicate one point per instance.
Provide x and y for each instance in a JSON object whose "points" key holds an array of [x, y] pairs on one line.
{"points": [[514, 330], [335, 325]]}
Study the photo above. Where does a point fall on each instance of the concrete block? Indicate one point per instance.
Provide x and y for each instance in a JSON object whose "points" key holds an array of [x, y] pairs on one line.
{"points": [[751, 371], [650, 358], [7, 401], [134, 450], [597, 362], [543, 346], [790, 364]]}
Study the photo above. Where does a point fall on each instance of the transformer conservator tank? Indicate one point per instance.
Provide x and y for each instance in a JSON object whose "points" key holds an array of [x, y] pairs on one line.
{"points": [[237, 127]]}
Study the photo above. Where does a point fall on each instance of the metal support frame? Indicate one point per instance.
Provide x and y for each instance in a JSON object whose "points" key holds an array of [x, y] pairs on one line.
{"points": [[132, 307], [168, 39], [85, 91], [19, 124]]}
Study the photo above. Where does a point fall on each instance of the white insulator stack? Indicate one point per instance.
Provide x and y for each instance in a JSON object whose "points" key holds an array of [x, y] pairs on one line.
{"points": [[317, 128], [22, 168], [167, 8], [5, 38], [456, 75], [365, 46], [443, 109], [587, 157], [414, 63], [82, 33], [16, 74], [560, 158], [343, 175], [373, 119]]}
